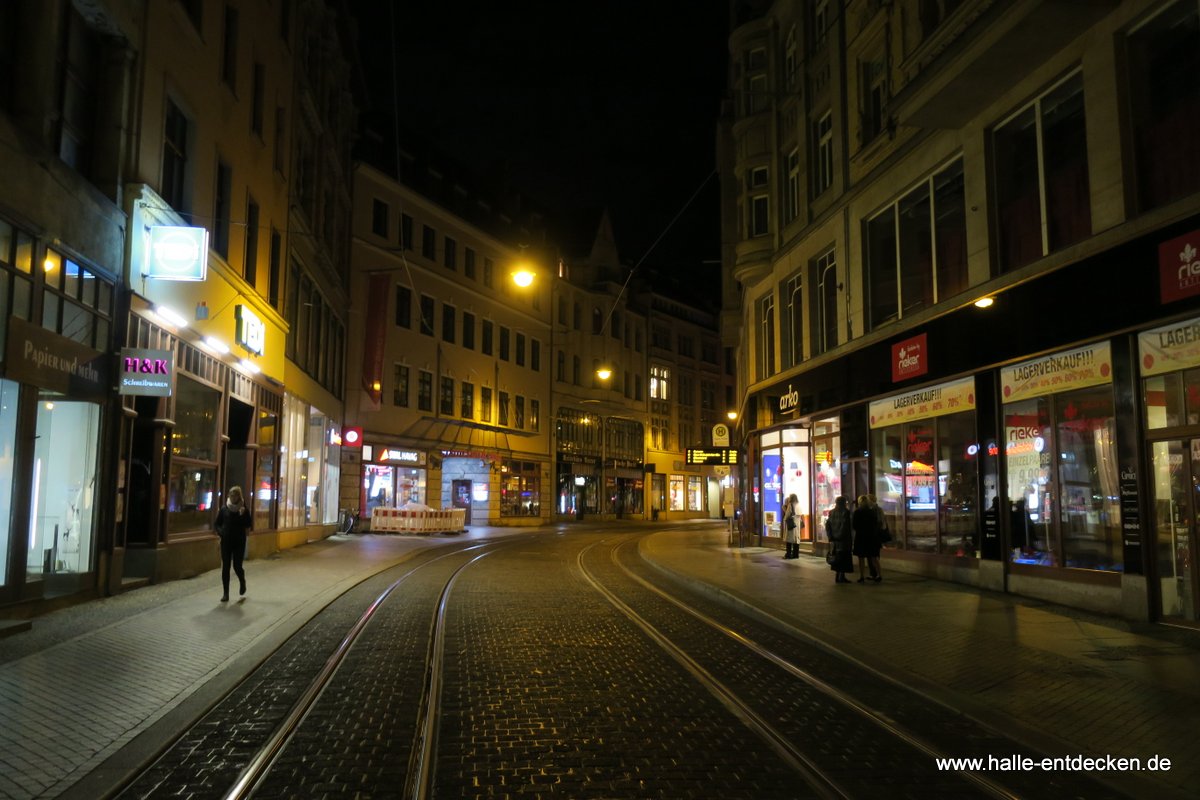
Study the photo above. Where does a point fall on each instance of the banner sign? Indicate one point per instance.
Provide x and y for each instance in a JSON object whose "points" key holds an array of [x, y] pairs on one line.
{"points": [[45, 359], [910, 358], [932, 401], [145, 372], [177, 253], [1058, 372], [1179, 267], [1170, 348]]}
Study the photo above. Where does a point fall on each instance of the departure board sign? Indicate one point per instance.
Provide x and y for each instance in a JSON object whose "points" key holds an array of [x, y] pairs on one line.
{"points": [[712, 455]]}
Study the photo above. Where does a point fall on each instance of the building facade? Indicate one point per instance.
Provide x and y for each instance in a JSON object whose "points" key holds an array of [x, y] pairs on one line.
{"points": [[145, 242], [448, 357], [963, 234]]}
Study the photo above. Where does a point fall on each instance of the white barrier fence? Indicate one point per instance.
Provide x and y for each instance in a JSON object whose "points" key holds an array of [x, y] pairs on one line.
{"points": [[401, 520]]}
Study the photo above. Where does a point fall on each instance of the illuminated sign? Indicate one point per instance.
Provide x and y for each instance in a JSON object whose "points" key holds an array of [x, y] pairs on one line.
{"points": [[352, 437], [177, 253], [910, 358], [712, 455], [789, 401], [1179, 267], [251, 332], [146, 372], [403, 456]]}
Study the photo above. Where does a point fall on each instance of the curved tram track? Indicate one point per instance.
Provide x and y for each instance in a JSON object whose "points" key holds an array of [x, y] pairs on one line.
{"points": [[563, 665]]}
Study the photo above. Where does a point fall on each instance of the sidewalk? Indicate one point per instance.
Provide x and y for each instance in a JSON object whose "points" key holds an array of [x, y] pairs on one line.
{"points": [[1061, 681], [86, 681]]}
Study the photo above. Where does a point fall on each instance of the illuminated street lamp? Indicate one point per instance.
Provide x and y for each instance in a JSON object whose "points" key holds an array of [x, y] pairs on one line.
{"points": [[731, 414], [604, 372]]}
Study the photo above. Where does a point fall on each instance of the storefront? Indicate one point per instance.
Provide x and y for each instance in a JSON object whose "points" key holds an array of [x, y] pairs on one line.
{"points": [[55, 487], [392, 476], [784, 462], [309, 467]]}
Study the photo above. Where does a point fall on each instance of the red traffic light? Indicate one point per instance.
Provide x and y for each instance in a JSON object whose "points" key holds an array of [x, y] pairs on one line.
{"points": [[352, 436]]}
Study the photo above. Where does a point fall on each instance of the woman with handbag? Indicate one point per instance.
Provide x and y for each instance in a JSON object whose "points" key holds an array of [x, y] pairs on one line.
{"points": [[838, 528], [791, 526]]}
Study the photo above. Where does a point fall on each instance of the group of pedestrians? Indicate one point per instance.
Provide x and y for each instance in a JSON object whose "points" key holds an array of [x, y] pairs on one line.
{"points": [[861, 533]]}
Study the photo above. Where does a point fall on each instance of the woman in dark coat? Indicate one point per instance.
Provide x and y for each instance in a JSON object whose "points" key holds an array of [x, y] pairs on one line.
{"points": [[866, 537], [841, 536], [233, 525]]}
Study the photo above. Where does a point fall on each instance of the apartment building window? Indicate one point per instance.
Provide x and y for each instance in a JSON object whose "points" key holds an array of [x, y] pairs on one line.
{"points": [[791, 197], [766, 336], [687, 346], [502, 409], [250, 260], [791, 61], [194, 9], [427, 307], [275, 267], [379, 218], [597, 320], [822, 153], [485, 404], [1041, 176], [428, 243], [560, 371], [637, 388], [469, 263], [488, 327], [446, 397], [874, 86], [449, 323], [451, 254], [793, 328], [535, 355], [425, 391], [403, 307], [406, 232], [1164, 93], [576, 369], [79, 69], [686, 395], [8, 28], [916, 249], [258, 100], [400, 386], [820, 21], [660, 383], [577, 316], [280, 138], [823, 299], [175, 173], [520, 351], [660, 337], [222, 205], [468, 330], [535, 415], [505, 335], [708, 395], [519, 413], [756, 81], [467, 401], [487, 272], [229, 45]]}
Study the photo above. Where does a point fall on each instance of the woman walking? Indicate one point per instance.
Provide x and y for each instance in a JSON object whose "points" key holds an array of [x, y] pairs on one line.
{"points": [[791, 526], [233, 525], [838, 527], [866, 538]]}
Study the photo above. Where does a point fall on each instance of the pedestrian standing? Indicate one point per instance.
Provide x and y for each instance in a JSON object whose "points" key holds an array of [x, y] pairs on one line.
{"points": [[838, 527], [883, 534], [866, 538], [791, 526], [233, 525]]}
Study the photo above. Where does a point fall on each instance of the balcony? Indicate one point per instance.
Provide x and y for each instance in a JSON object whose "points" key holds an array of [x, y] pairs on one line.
{"points": [[981, 51], [752, 259]]}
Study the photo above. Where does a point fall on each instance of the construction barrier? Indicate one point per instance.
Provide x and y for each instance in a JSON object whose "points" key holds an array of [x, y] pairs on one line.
{"points": [[403, 520]]}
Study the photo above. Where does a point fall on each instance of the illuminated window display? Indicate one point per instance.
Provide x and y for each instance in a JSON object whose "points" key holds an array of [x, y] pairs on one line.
{"points": [[785, 465], [193, 476], [1061, 461], [827, 471], [695, 493], [678, 500], [520, 492], [64, 486], [925, 468], [8, 436]]}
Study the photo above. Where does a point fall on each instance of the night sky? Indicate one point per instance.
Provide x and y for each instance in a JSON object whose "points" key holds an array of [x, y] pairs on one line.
{"points": [[578, 106]]}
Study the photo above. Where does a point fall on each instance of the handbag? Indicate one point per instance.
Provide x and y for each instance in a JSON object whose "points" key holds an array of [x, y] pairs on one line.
{"points": [[791, 523], [885, 535]]}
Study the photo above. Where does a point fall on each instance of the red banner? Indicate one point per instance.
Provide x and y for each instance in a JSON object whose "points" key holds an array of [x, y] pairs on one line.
{"points": [[1179, 267], [910, 358], [378, 290]]}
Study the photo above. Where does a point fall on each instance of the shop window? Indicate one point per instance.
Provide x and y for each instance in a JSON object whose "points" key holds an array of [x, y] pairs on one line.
{"points": [[1041, 177], [266, 477], [520, 489], [1164, 94], [9, 392], [1173, 400], [957, 478], [193, 474], [695, 493], [64, 486], [1062, 480], [678, 499]]}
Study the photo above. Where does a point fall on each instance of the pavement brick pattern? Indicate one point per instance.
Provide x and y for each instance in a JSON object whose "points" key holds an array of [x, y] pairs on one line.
{"points": [[549, 691]]}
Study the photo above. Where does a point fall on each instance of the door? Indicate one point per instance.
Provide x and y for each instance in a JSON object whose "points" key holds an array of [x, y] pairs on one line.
{"points": [[1176, 484], [461, 492]]}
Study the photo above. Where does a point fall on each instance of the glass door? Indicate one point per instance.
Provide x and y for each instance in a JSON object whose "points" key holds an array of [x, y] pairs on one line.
{"points": [[1176, 470]]}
